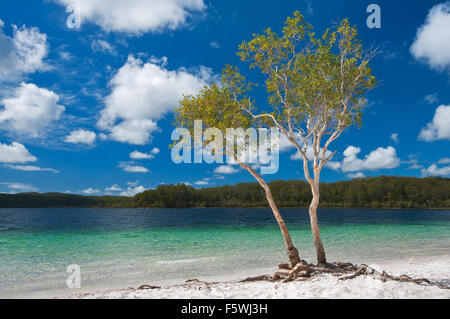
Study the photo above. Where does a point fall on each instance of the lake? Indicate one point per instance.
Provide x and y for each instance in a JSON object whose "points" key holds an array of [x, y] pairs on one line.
{"points": [[120, 248]]}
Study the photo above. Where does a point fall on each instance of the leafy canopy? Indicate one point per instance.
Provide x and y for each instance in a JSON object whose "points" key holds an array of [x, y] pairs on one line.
{"points": [[316, 86]]}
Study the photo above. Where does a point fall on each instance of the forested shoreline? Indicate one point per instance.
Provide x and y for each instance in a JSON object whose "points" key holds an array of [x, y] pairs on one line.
{"points": [[379, 192]]}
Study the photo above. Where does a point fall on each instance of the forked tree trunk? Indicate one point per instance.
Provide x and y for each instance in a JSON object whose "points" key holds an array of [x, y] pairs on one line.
{"points": [[320, 250], [292, 252]]}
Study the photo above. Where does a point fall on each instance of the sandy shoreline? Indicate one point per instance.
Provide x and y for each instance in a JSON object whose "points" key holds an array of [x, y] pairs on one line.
{"points": [[324, 286]]}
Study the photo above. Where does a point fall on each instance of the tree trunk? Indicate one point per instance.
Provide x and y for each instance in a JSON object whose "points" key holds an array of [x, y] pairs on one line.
{"points": [[292, 252], [320, 250]]}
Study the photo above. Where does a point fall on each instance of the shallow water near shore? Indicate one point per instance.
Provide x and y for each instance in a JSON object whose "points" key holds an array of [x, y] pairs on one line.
{"points": [[120, 248]]}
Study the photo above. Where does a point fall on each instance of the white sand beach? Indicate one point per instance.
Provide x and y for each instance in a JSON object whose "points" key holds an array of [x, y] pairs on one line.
{"points": [[323, 286]]}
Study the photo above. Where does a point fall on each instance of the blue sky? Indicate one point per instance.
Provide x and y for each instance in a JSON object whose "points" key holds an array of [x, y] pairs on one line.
{"points": [[75, 103]]}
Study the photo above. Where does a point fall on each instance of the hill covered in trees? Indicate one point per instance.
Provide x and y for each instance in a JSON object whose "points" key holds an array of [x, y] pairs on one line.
{"points": [[377, 192], [36, 200]]}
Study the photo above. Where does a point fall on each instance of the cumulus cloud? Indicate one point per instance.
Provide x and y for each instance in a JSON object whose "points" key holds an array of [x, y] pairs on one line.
{"points": [[434, 170], [439, 128], [356, 175], [381, 158], [113, 188], [136, 155], [91, 191], [81, 137], [395, 138], [131, 168], [142, 93], [136, 16], [30, 109], [226, 169], [23, 53], [445, 160], [432, 44], [15, 153], [202, 182], [30, 168], [334, 165], [131, 191], [20, 187]]}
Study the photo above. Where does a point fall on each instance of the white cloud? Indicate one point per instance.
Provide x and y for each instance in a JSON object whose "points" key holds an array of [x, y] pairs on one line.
{"points": [[445, 160], [102, 46], [203, 182], [91, 191], [334, 165], [432, 44], [439, 128], [434, 170], [136, 155], [30, 168], [134, 184], [431, 98], [136, 16], [131, 168], [81, 137], [143, 93], [23, 53], [226, 169], [413, 162], [113, 188], [131, 191], [137, 132], [15, 153], [19, 187], [30, 109], [214, 44], [356, 175], [155, 151], [381, 158], [395, 138]]}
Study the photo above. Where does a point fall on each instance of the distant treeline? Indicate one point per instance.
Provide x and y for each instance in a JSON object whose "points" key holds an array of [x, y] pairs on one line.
{"points": [[36, 200], [377, 192]]}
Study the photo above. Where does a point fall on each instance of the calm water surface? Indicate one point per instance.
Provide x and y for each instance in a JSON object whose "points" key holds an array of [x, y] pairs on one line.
{"points": [[129, 247]]}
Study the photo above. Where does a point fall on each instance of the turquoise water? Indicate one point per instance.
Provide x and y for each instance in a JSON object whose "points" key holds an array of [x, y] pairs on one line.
{"points": [[122, 248]]}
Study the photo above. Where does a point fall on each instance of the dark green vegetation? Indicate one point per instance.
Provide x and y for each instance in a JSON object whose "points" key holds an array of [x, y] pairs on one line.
{"points": [[378, 192], [35, 200]]}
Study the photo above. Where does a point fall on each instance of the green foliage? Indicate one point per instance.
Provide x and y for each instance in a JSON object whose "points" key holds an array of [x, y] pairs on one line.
{"points": [[316, 86], [322, 78], [36, 200], [379, 192], [214, 106]]}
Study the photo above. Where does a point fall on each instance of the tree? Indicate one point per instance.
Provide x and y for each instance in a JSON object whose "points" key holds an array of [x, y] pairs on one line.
{"points": [[316, 87], [218, 109]]}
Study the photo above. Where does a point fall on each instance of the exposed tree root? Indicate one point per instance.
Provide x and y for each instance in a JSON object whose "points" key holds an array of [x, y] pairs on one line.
{"points": [[345, 271], [148, 287]]}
